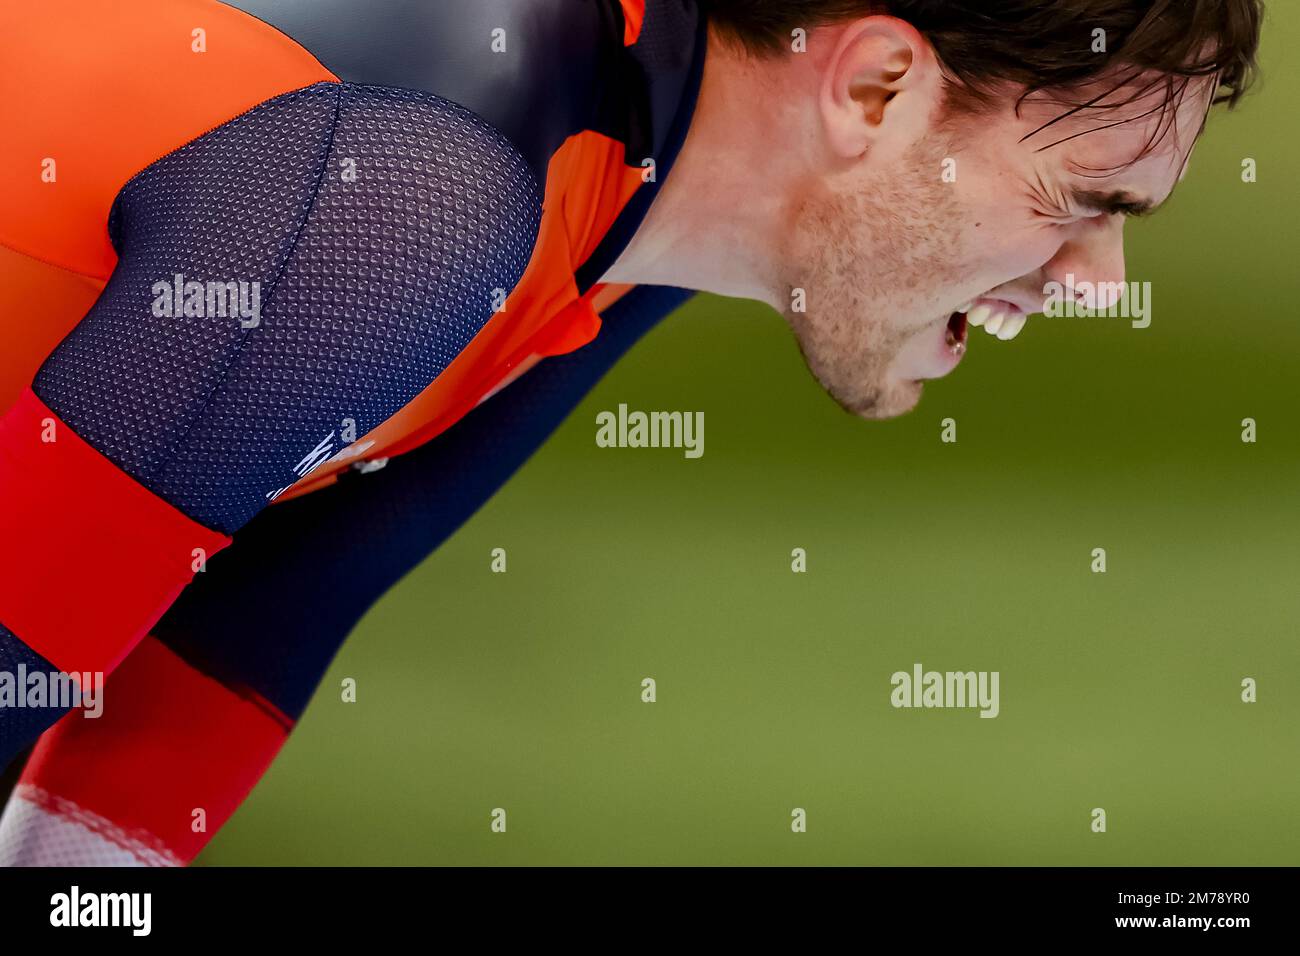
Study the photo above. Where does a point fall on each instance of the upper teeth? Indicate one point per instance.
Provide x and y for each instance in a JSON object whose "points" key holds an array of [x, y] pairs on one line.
{"points": [[1005, 324]]}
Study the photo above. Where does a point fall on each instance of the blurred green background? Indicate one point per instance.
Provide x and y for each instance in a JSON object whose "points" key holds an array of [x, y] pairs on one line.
{"points": [[1122, 690]]}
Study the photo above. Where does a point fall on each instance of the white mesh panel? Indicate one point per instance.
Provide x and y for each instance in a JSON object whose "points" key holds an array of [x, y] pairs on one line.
{"points": [[31, 835]]}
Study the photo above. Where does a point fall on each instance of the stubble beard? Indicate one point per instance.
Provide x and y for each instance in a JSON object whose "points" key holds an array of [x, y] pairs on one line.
{"points": [[863, 253]]}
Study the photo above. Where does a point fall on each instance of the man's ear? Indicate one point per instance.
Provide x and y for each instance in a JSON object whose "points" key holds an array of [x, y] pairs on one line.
{"points": [[881, 82]]}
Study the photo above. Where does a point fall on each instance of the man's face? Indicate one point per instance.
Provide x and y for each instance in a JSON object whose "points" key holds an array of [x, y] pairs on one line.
{"points": [[974, 212]]}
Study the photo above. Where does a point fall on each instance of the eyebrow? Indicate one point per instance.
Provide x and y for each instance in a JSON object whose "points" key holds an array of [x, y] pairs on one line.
{"points": [[1121, 202]]}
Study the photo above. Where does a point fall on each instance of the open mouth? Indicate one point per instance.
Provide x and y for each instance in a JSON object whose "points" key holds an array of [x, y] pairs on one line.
{"points": [[941, 348], [999, 318], [955, 337]]}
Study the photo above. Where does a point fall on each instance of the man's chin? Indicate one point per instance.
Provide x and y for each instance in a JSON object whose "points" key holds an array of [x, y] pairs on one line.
{"points": [[898, 400], [894, 399]]}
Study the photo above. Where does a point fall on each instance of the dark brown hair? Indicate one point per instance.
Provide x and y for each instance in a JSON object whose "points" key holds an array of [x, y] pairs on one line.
{"points": [[1047, 45], [1036, 44]]}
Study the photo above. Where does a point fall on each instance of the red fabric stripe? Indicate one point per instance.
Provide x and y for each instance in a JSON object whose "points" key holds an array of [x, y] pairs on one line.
{"points": [[171, 740], [147, 849], [89, 559]]}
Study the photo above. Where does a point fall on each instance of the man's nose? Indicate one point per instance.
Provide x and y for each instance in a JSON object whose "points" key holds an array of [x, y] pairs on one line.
{"points": [[1090, 264]]}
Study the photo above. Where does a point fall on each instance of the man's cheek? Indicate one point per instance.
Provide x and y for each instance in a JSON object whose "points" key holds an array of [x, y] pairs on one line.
{"points": [[1028, 249], [1005, 258]]}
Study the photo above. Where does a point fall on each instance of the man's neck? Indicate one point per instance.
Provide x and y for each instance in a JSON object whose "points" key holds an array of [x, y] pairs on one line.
{"points": [[720, 216]]}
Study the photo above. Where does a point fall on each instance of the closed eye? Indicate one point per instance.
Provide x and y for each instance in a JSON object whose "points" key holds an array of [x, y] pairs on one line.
{"points": [[1098, 203], [1065, 217]]}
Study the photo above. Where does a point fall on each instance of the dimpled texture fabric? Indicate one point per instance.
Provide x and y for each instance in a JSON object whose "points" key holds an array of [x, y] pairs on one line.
{"points": [[380, 227], [19, 726], [242, 621]]}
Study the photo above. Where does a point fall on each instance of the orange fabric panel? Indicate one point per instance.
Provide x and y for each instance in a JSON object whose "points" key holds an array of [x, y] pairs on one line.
{"points": [[100, 134], [106, 88], [604, 296], [39, 305], [633, 17], [89, 557], [587, 187]]}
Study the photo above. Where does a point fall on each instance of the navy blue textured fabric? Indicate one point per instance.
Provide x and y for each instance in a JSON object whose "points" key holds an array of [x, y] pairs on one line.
{"points": [[344, 244], [561, 67], [20, 726], [272, 610], [672, 98]]}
